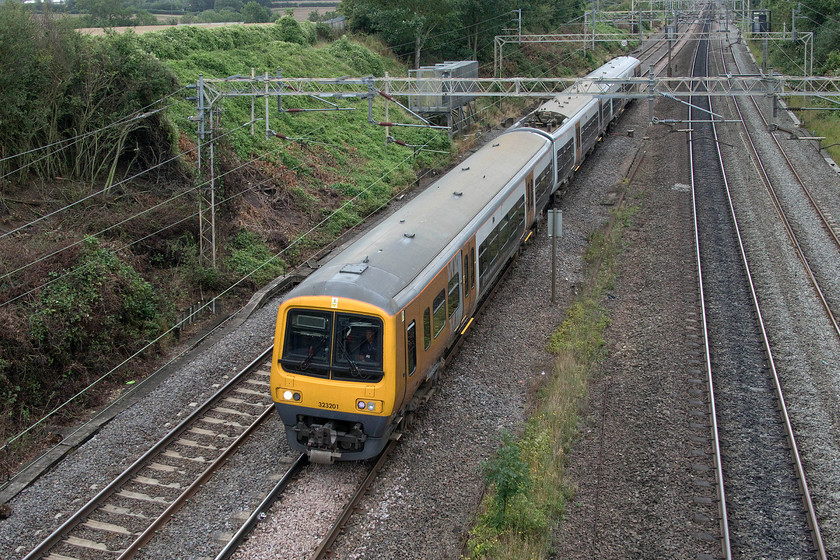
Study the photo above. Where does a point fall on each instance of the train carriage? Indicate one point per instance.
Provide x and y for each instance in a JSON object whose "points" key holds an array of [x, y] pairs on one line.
{"points": [[410, 284], [575, 122]]}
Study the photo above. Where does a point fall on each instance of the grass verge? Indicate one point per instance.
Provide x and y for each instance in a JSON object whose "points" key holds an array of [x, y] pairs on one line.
{"points": [[527, 488]]}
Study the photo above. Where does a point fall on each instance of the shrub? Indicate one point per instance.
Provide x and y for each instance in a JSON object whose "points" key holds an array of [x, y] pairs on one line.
{"points": [[292, 31], [84, 323], [508, 474], [252, 12], [99, 303], [358, 57]]}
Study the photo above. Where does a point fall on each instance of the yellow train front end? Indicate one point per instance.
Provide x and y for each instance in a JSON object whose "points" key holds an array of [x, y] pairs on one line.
{"points": [[333, 377]]}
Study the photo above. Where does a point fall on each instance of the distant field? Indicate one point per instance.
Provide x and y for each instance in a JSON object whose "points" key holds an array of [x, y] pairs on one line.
{"points": [[300, 14]]}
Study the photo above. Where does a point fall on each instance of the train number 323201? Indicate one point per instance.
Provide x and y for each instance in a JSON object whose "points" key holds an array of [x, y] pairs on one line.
{"points": [[331, 406]]}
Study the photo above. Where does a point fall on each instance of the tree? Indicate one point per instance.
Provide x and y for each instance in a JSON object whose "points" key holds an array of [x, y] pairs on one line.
{"points": [[105, 13], [405, 24], [482, 20], [232, 5], [252, 12]]}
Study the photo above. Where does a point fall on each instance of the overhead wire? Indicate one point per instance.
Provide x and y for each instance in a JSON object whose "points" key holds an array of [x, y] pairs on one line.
{"points": [[123, 120], [816, 11], [294, 243], [109, 228], [139, 352], [99, 192], [451, 31], [141, 213], [67, 142]]}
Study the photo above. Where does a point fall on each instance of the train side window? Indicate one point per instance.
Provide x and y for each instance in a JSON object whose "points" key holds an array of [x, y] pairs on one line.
{"points": [[472, 268], [454, 294], [483, 255], [427, 328], [411, 347], [466, 276], [439, 314]]}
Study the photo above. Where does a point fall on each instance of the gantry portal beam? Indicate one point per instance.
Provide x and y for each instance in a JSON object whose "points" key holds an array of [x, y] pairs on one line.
{"points": [[641, 87]]}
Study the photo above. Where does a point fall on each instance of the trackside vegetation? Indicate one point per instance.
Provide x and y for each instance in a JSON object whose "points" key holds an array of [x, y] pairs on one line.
{"points": [[527, 491], [99, 242]]}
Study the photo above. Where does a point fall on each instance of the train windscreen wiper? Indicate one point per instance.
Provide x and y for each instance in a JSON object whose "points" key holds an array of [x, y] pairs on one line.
{"points": [[304, 364], [354, 369]]}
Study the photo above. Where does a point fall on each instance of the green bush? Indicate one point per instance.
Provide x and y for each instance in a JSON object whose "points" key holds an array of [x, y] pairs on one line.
{"points": [[84, 322], [292, 31], [508, 474], [357, 57], [252, 12], [56, 84]]}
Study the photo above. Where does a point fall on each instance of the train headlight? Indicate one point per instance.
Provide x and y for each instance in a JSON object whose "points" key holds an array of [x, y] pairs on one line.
{"points": [[291, 395], [369, 406]]}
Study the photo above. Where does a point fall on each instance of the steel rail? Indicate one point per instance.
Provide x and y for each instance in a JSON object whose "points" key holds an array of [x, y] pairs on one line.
{"points": [[724, 517], [802, 480], [323, 549], [91, 506], [260, 511], [136, 546], [765, 177], [823, 218]]}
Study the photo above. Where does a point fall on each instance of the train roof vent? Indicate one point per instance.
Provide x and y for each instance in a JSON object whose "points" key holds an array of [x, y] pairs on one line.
{"points": [[354, 268]]}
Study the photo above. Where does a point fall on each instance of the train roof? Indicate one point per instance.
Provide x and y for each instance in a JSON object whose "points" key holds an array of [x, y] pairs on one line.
{"points": [[383, 263], [564, 106]]}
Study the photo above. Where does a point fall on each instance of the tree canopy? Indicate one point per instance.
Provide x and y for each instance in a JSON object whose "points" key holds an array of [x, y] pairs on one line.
{"points": [[445, 29]]}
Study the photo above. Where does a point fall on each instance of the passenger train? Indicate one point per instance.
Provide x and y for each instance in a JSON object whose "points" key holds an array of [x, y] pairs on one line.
{"points": [[359, 343]]}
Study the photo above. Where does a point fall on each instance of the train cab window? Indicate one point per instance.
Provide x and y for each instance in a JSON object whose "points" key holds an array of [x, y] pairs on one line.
{"points": [[454, 295], [357, 348], [427, 328], [306, 348], [333, 345], [411, 347], [439, 315]]}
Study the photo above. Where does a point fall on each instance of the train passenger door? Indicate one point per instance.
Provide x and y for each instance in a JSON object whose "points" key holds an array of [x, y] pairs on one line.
{"points": [[455, 293], [578, 153], [529, 199]]}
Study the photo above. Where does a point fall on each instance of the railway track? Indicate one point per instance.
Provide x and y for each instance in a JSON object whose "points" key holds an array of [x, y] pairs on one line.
{"points": [[796, 207], [125, 553], [657, 58], [125, 515], [761, 483]]}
